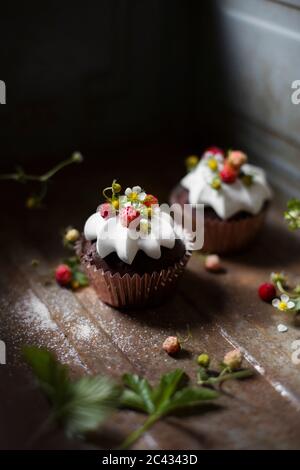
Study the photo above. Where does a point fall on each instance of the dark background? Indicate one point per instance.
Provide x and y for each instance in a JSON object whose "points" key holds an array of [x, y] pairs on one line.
{"points": [[109, 76]]}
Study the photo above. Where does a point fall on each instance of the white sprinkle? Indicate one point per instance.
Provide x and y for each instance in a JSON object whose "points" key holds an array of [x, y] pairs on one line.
{"points": [[282, 328]]}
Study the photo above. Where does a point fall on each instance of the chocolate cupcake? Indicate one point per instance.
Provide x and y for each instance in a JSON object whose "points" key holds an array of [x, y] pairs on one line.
{"points": [[131, 250], [235, 196]]}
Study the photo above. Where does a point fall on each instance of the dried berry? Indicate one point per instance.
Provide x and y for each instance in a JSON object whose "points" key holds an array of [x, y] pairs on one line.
{"points": [[171, 345], [233, 359], [213, 263]]}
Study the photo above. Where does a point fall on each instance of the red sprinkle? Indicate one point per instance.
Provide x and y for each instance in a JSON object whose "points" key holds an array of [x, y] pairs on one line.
{"points": [[267, 292], [127, 215], [63, 274]]}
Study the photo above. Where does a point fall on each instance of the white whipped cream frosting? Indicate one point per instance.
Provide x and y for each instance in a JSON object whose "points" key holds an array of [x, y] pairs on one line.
{"points": [[112, 236], [230, 198]]}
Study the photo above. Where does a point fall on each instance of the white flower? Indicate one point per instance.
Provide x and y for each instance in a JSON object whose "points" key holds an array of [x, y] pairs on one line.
{"points": [[136, 189], [135, 193], [284, 303], [217, 156]]}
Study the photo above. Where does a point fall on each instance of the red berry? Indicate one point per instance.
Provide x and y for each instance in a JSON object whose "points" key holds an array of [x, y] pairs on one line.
{"points": [[106, 210], [228, 174], [150, 200], [63, 274], [215, 150], [267, 292], [127, 215]]}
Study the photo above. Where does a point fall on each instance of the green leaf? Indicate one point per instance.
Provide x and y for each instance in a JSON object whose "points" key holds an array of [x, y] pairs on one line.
{"points": [[81, 278], [142, 389], [80, 405], [190, 397], [292, 215], [133, 401], [91, 401], [168, 385], [170, 395], [297, 305], [73, 262], [52, 376]]}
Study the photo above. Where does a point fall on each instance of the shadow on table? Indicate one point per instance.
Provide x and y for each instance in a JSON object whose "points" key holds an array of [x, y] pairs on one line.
{"points": [[274, 245], [195, 297]]}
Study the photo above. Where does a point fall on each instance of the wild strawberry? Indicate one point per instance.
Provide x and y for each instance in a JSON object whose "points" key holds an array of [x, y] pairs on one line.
{"points": [[233, 359], [150, 200], [127, 215], [63, 274], [106, 210], [228, 174], [267, 292], [236, 159], [213, 263], [171, 345]]}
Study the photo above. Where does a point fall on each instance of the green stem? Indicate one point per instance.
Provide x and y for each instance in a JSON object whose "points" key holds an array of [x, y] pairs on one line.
{"points": [[241, 374], [57, 168], [135, 435], [43, 178], [284, 291], [9, 176]]}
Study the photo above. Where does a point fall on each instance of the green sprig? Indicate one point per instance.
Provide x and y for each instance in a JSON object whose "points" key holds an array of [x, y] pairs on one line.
{"points": [[79, 406], [292, 215], [35, 200], [207, 377], [77, 275], [170, 395]]}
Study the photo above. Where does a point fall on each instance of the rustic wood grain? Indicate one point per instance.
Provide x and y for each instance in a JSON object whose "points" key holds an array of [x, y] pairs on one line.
{"points": [[221, 311]]}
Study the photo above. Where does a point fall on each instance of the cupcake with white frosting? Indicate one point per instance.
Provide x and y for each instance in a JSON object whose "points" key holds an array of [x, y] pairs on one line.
{"points": [[235, 196], [131, 250]]}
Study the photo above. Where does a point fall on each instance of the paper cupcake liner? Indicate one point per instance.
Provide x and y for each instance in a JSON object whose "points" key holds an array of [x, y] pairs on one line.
{"points": [[124, 291], [221, 236], [224, 236]]}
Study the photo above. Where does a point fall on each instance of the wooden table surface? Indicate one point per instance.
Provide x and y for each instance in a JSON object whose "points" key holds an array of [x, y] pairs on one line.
{"points": [[223, 311]]}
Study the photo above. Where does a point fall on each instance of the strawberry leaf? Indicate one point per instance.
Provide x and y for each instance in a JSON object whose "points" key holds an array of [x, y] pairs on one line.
{"points": [[80, 405]]}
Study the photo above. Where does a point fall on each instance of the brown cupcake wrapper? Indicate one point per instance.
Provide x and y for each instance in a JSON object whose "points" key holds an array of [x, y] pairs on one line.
{"points": [[137, 290], [221, 236]]}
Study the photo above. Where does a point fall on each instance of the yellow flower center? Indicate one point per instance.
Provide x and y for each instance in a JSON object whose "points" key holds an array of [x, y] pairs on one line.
{"points": [[213, 164], [282, 306], [133, 196]]}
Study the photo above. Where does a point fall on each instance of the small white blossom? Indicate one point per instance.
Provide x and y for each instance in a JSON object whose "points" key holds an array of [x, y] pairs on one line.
{"points": [[135, 193], [136, 189], [284, 303]]}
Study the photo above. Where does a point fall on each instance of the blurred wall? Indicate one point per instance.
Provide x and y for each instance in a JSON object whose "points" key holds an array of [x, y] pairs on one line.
{"points": [[105, 74], [259, 45]]}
